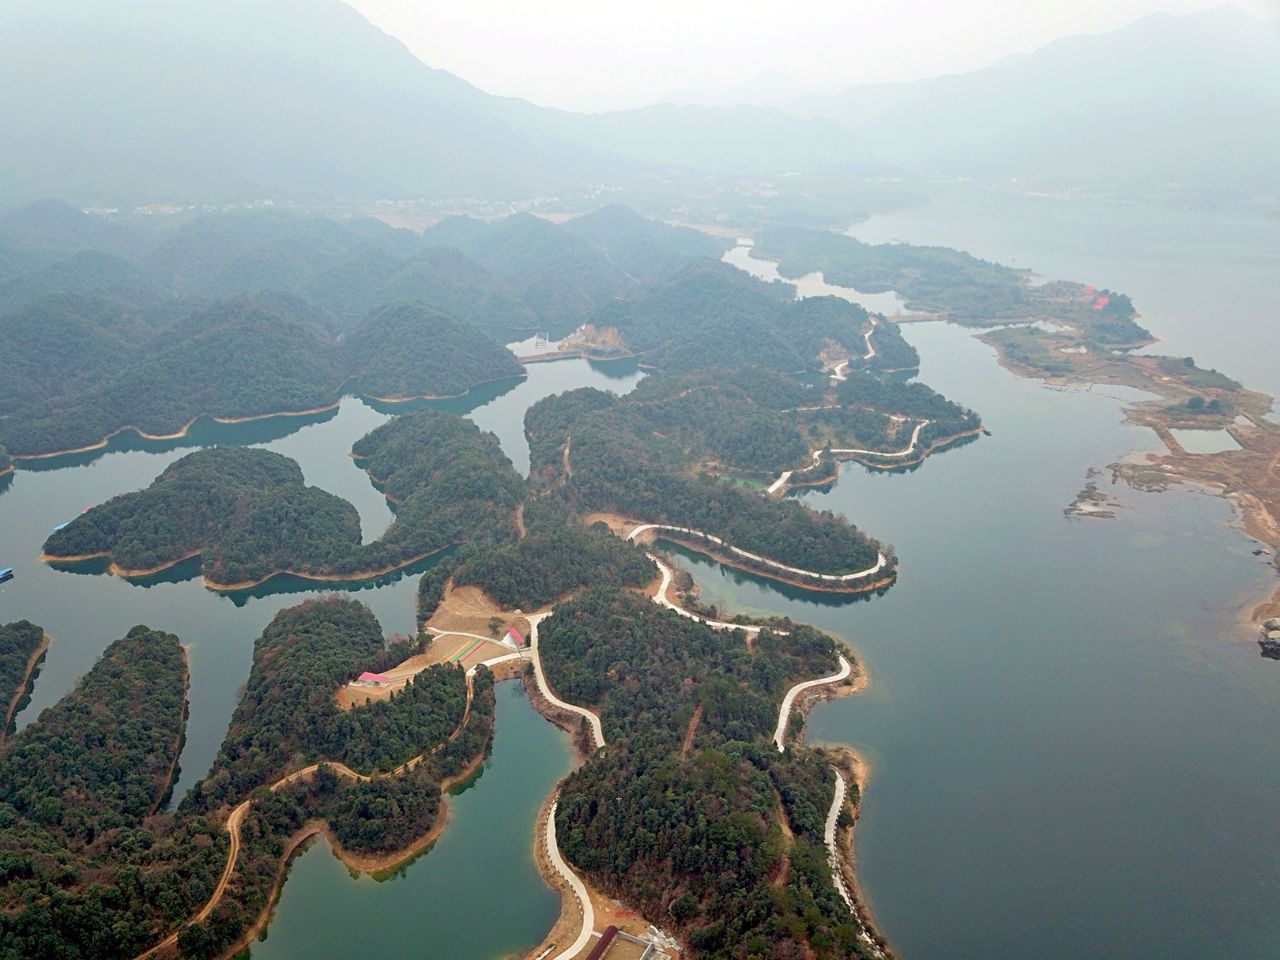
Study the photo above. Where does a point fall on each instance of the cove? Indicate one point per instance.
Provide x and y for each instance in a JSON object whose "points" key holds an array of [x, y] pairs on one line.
{"points": [[1070, 738], [83, 610], [475, 894]]}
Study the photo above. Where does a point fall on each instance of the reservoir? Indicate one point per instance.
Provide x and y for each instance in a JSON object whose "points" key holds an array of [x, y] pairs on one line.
{"points": [[1071, 737]]}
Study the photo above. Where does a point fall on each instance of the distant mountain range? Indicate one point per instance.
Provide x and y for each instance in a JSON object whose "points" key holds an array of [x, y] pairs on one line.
{"points": [[142, 101], [1169, 98]]}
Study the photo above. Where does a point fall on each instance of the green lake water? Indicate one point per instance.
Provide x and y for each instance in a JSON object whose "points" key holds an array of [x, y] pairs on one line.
{"points": [[475, 893]]}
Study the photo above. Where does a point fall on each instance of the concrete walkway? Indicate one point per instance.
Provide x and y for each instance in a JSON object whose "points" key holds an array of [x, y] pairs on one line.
{"points": [[881, 559], [577, 886], [596, 730], [788, 702]]}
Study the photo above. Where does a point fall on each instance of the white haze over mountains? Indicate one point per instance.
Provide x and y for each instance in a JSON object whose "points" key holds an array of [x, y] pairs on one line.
{"points": [[598, 55], [126, 102]]}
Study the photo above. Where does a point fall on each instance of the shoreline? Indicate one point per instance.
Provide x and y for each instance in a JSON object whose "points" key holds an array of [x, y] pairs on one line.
{"points": [[171, 776], [837, 458], [523, 375], [185, 429], [1248, 478], [128, 573], [856, 768], [375, 865], [25, 684], [699, 547]]}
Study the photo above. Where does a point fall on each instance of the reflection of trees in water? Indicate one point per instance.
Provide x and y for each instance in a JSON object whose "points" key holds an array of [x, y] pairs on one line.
{"points": [[707, 572], [205, 432], [283, 584]]}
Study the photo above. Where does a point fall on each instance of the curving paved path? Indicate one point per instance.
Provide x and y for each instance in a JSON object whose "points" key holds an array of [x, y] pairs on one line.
{"points": [[880, 563], [785, 477], [662, 600], [236, 817], [788, 702], [839, 371], [829, 835], [577, 886], [596, 730]]}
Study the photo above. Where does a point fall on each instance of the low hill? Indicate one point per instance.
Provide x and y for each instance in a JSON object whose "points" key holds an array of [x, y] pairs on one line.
{"points": [[646, 249], [409, 349], [561, 276]]}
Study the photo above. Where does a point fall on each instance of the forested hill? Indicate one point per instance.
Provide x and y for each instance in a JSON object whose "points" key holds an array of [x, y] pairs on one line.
{"points": [[287, 719], [619, 460], [710, 314], [670, 451], [85, 873], [18, 642], [250, 357], [683, 814], [237, 359], [646, 249], [91, 866], [409, 349], [560, 275], [248, 514], [961, 287], [115, 323]]}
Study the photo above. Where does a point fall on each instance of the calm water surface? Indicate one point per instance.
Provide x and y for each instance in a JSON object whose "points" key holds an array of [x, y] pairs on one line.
{"points": [[1207, 282], [476, 893], [84, 611], [1071, 737]]}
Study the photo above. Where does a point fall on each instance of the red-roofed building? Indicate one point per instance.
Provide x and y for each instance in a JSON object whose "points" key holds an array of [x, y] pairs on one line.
{"points": [[517, 636], [368, 679]]}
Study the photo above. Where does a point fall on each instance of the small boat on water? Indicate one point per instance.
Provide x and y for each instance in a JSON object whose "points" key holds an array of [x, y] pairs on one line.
{"points": [[6, 574]]}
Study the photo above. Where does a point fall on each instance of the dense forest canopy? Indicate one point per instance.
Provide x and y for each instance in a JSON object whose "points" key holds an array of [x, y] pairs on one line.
{"points": [[552, 561], [249, 515], [658, 454], [116, 323], [680, 813], [88, 867], [646, 249], [288, 719], [408, 349], [561, 276]]}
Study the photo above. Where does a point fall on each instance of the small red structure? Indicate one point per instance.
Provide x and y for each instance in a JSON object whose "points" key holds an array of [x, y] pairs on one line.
{"points": [[372, 679], [606, 941], [517, 636], [1101, 302]]}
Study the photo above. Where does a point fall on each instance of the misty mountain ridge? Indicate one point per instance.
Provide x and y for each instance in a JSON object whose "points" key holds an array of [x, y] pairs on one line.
{"points": [[1172, 98], [306, 101]]}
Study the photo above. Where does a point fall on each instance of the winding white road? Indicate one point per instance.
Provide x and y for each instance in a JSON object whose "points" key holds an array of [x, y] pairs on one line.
{"points": [[839, 371], [788, 702], [837, 873], [829, 835], [662, 600], [596, 730], [577, 886], [880, 563], [785, 477]]}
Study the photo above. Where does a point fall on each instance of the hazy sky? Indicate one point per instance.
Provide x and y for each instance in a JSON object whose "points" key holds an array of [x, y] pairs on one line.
{"points": [[603, 54]]}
